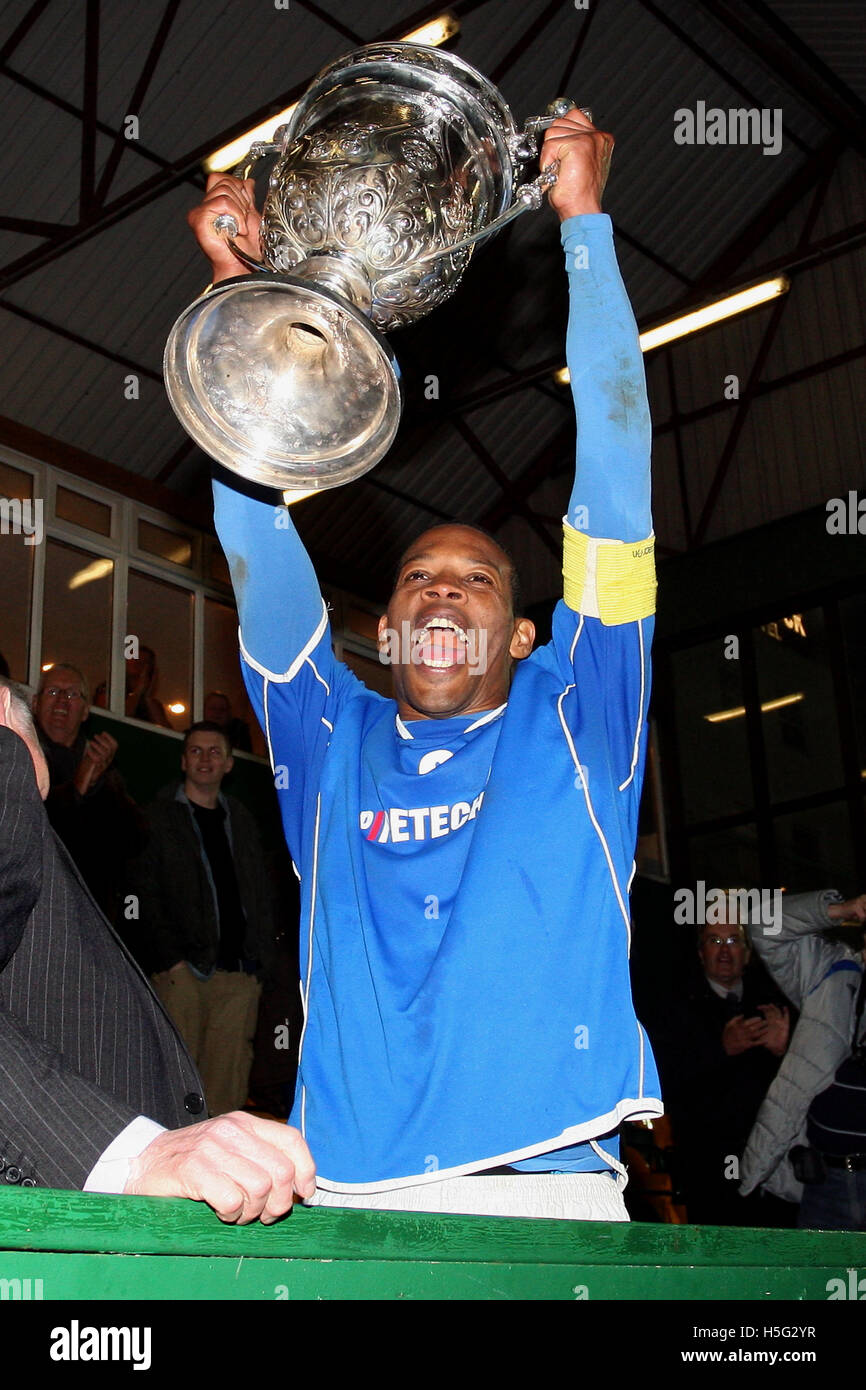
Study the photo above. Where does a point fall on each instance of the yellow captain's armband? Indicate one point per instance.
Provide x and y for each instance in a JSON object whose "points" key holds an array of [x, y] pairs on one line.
{"points": [[611, 580]]}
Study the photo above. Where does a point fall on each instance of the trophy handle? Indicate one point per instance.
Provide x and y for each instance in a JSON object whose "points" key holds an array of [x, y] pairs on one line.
{"points": [[227, 225], [522, 146], [228, 229], [528, 195]]}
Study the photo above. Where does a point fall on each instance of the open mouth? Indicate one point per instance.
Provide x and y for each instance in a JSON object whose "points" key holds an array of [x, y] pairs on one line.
{"points": [[439, 645]]}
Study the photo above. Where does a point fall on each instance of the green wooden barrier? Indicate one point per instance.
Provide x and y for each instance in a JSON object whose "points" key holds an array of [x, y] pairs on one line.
{"points": [[80, 1246]]}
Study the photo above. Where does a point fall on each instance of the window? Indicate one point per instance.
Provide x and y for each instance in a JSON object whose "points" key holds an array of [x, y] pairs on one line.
{"points": [[16, 558], [727, 858], [77, 609], [814, 850], [160, 616], [798, 709], [853, 612], [175, 546], [711, 728], [783, 809], [83, 511], [218, 569], [222, 671], [83, 596]]}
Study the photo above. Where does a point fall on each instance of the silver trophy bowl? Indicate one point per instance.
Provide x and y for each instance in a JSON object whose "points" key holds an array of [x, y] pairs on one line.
{"points": [[396, 162]]}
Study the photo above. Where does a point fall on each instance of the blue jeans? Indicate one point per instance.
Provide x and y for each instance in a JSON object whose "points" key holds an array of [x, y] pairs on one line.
{"points": [[836, 1204]]}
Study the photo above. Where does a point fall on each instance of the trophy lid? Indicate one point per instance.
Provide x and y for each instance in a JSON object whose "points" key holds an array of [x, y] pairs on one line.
{"points": [[283, 381]]}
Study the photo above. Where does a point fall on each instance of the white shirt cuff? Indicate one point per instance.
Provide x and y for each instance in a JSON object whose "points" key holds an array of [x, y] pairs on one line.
{"points": [[111, 1171]]}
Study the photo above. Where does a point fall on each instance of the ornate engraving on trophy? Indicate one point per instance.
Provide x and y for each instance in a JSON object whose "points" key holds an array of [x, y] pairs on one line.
{"points": [[385, 196], [398, 158]]}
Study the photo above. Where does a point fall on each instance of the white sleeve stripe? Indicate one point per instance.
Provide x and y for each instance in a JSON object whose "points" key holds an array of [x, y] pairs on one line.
{"points": [[312, 666], [267, 724], [637, 733], [308, 981], [598, 830], [642, 1055], [299, 659]]}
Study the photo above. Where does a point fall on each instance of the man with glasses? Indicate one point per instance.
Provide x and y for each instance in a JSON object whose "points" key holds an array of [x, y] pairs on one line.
{"points": [[88, 804], [718, 1055]]}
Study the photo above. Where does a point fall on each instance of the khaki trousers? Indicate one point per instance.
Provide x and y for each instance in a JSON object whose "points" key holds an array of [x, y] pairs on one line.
{"points": [[216, 1019]]}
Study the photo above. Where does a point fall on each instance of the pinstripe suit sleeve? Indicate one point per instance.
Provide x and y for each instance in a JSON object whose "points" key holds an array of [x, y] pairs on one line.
{"points": [[20, 847], [54, 1122]]}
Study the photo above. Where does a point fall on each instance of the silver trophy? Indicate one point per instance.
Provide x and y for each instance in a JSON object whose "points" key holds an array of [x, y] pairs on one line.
{"points": [[396, 162]]}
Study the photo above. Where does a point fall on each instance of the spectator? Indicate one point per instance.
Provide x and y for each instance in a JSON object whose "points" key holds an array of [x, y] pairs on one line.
{"points": [[218, 710], [808, 1143], [207, 913], [141, 682], [88, 804], [718, 1054]]}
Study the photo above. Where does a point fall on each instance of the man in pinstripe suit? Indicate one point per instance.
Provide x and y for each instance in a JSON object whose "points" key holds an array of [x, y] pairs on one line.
{"points": [[96, 1088]]}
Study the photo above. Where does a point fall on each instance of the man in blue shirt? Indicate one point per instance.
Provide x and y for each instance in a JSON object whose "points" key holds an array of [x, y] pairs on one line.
{"points": [[466, 851]]}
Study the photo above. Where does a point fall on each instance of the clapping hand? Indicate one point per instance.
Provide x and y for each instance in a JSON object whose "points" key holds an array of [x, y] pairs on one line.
{"points": [[98, 757], [778, 1027], [739, 1034]]}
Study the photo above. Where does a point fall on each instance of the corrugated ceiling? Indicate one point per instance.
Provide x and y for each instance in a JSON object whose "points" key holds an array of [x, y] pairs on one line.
{"points": [[75, 326]]}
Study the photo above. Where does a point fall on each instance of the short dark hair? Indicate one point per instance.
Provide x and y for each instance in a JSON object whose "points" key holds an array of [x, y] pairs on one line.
{"points": [[513, 576], [206, 726]]}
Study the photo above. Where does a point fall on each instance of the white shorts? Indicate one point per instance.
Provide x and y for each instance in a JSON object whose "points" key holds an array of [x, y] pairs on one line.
{"points": [[560, 1196]]}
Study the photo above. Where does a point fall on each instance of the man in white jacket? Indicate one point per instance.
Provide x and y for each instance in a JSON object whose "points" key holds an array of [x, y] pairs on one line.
{"points": [[822, 978]]}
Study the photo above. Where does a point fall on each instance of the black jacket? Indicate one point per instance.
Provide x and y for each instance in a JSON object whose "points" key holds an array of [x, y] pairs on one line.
{"points": [[100, 829], [711, 1097], [178, 917]]}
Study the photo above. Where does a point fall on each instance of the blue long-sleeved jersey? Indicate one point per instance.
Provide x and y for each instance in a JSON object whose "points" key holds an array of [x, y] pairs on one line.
{"points": [[465, 881]]}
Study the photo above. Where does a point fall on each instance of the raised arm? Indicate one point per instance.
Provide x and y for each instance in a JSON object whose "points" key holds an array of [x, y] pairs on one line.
{"points": [[293, 679], [610, 501], [275, 586], [280, 607], [295, 684], [795, 951], [611, 495]]}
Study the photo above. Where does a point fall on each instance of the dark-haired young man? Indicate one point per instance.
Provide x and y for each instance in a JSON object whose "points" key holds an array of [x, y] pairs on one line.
{"points": [[466, 852], [207, 914]]}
